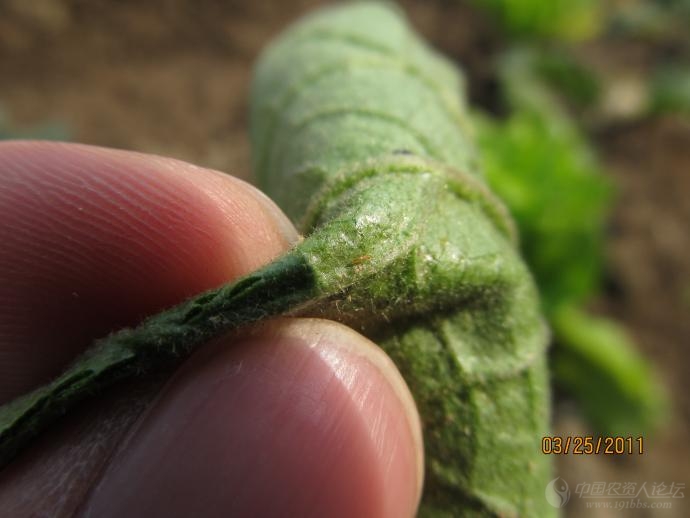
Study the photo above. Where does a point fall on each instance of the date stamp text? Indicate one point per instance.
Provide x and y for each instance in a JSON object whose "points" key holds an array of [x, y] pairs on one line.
{"points": [[591, 445]]}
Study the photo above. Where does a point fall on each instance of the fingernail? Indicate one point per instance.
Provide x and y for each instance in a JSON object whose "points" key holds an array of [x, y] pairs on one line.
{"points": [[283, 223], [301, 417]]}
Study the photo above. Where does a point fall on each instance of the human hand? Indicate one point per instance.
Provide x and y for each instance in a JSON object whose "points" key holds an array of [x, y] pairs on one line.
{"points": [[296, 417]]}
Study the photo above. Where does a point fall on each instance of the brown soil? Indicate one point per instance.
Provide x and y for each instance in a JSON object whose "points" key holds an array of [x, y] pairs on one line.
{"points": [[172, 77]]}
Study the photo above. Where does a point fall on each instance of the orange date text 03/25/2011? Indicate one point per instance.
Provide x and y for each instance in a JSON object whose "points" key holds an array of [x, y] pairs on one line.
{"points": [[590, 445]]}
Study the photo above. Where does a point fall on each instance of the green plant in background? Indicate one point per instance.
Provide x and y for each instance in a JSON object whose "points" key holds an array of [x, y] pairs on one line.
{"points": [[652, 20], [542, 166], [557, 197], [663, 25], [558, 69], [359, 133], [546, 172], [45, 131], [670, 91], [557, 19]]}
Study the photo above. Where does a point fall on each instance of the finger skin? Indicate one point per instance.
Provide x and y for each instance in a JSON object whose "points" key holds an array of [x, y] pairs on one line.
{"points": [[95, 239], [304, 417], [300, 418], [55, 474], [294, 418]]}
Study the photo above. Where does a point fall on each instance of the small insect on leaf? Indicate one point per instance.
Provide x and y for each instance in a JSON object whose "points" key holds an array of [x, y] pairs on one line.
{"points": [[360, 260]]}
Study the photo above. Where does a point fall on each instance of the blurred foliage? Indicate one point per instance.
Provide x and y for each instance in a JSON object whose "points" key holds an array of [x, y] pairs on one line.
{"points": [[569, 78], [555, 28], [662, 25], [619, 391], [556, 193], [44, 131], [543, 80], [543, 167], [570, 20], [651, 19], [670, 90], [539, 162]]}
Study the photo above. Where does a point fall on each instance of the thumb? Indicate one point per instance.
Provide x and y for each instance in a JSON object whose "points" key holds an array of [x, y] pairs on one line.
{"points": [[300, 417]]}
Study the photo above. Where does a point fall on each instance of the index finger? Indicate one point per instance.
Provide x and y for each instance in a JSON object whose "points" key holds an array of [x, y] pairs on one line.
{"points": [[96, 239]]}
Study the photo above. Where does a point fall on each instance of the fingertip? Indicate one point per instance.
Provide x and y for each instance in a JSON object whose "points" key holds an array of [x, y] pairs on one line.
{"points": [[299, 418], [95, 239]]}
